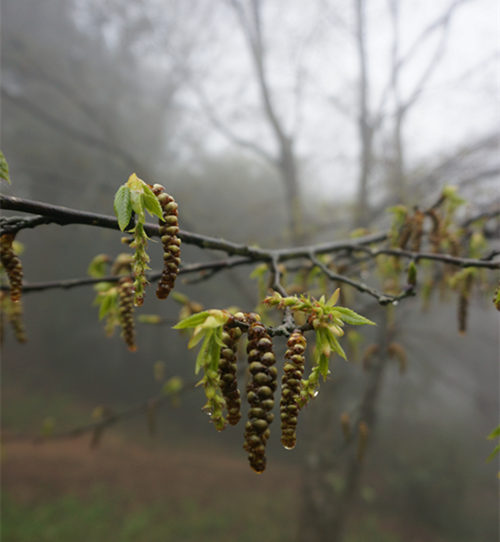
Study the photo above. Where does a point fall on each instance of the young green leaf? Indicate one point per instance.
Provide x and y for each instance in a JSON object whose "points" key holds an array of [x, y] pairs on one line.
{"points": [[107, 303], [209, 352], [494, 434], [192, 321], [214, 347], [334, 298], [353, 318], [98, 266], [334, 344], [123, 206], [495, 451], [151, 203], [136, 203], [198, 334], [322, 351]]}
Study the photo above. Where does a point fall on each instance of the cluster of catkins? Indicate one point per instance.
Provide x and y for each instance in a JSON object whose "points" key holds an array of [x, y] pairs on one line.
{"points": [[261, 385], [169, 228], [411, 232]]}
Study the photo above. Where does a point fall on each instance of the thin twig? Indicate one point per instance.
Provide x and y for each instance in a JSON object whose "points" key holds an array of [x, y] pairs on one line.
{"points": [[66, 284], [381, 297], [288, 323]]}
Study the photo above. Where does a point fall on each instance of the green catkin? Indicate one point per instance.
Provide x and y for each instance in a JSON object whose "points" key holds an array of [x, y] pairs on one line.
{"points": [[12, 266], [17, 322], [291, 388], [14, 315], [169, 228], [227, 373], [126, 312], [260, 394]]}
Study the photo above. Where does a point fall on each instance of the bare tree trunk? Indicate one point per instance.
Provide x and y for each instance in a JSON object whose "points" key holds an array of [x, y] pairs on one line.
{"points": [[288, 170], [397, 173], [354, 466], [286, 162], [325, 510]]}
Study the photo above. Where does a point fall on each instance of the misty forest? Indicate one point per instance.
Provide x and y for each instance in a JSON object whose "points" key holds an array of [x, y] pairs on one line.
{"points": [[249, 265]]}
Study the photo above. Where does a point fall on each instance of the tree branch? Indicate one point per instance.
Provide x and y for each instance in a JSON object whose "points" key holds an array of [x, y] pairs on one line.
{"points": [[382, 298], [67, 284], [64, 216]]}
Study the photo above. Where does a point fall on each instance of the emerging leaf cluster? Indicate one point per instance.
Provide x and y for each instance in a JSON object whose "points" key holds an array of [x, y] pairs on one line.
{"points": [[327, 320], [208, 326], [135, 196], [107, 295]]}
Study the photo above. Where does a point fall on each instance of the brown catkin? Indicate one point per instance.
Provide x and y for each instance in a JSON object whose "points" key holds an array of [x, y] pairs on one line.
{"points": [[362, 440], [227, 373], [395, 350], [291, 388], [435, 233], [126, 311], [17, 323], [405, 233], [370, 351], [463, 309], [345, 425], [12, 266], [417, 231], [260, 394], [463, 304], [169, 228]]}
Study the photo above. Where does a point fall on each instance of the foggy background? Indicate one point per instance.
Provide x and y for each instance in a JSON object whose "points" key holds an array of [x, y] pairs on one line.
{"points": [[292, 124]]}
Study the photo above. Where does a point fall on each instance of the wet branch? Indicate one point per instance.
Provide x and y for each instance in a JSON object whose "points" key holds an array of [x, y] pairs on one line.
{"points": [[381, 297], [52, 214]]}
